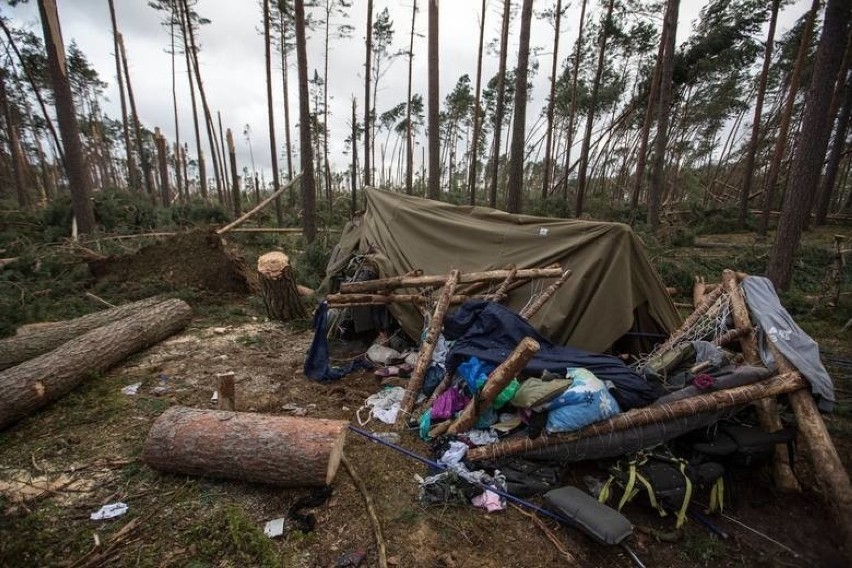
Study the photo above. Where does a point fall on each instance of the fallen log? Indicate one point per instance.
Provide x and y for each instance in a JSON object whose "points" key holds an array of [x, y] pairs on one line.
{"points": [[42, 380], [427, 347], [286, 451], [388, 284], [497, 381], [767, 409], [278, 288], [32, 342], [716, 400], [259, 207]]}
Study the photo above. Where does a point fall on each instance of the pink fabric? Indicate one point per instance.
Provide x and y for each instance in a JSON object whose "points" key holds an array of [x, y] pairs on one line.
{"points": [[703, 381], [489, 501], [446, 405]]}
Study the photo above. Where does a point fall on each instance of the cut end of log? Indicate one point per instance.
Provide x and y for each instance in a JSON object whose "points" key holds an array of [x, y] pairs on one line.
{"points": [[273, 264], [335, 456]]}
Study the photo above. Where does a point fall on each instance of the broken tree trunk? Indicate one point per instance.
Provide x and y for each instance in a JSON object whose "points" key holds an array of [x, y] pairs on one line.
{"points": [[18, 349], [497, 381], [259, 206], [636, 417], [388, 284], [48, 377], [767, 409], [226, 391], [828, 468], [542, 299], [415, 383], [285, 451], [278, 288]]}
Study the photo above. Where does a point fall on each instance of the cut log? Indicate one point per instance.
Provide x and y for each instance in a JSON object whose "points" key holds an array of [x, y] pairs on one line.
{"points": [[41, 380], [278, 288], [427, 347], [497, 381], [32, 342], [659, 413], [388, 284], [226, 392], [286, 451], [767, 409]]}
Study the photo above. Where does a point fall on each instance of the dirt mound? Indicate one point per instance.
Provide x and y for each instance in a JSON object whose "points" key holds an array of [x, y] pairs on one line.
{"points": [[197, 259]]}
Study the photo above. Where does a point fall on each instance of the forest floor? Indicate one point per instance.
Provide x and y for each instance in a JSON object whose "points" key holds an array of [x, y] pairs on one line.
{"points": [[84, 451]]}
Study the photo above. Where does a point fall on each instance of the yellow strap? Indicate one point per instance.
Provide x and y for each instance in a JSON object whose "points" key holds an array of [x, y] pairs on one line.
{"points": [[628, 488], [651, 497], [717, 496], [681, 515], [604, 494]]}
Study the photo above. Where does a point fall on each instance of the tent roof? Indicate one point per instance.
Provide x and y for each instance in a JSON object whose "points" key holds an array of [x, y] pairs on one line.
{"points": [[612, 285]]}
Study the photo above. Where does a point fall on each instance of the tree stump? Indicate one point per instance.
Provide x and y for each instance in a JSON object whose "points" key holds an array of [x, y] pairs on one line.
{"points": [[278, 288], [48, 377], [278, 450]]}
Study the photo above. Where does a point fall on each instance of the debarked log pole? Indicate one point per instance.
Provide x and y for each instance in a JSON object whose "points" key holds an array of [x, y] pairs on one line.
{"points": [[286, 451], [18, 349], [497, 381], [828, 467], [42, 380], [278, 288], [259, 206], [698, 291], [352, 300], [767, 409], [660, 413], [542, 299], [711, 300], [387, 284], [415, 383]]}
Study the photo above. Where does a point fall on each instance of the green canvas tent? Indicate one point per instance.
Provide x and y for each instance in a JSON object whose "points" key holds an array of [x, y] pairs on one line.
{"points": [[613, 289]]}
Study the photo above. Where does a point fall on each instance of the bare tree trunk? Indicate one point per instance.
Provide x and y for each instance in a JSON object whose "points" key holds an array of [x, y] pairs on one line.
{"points": [[501, 101], [582, 182], [202, 170], [163, 165], [551, 102], [477, 125], [178, 177], [15, 151], [658, 175], [285, 71], [76, 168], [784, 126], [758, 111], [147, 174], [273, 147], [132, 174], [810, 153], [224, 153], [578, 54], [516, 155], [354, 172], [235, 178], [368, 179], [309, 226], [409, 141], [434, 104]]}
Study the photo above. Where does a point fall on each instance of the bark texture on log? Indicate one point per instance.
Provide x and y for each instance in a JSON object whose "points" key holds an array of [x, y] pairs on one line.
{"points": [[767, 409], [709, 402], [14, 350], [427, 347], [497, 381], [285, 451], [278, 288], [48, 377], [388, 284]]}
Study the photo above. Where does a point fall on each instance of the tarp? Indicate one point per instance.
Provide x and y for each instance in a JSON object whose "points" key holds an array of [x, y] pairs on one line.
{"points": [[613, 288]]}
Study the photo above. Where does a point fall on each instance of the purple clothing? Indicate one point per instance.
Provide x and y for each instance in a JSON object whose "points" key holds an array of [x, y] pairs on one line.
{"points": [[446, 405]]}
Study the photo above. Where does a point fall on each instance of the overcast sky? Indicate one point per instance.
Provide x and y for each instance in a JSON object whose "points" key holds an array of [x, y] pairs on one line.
{"points": [[232, 60]]}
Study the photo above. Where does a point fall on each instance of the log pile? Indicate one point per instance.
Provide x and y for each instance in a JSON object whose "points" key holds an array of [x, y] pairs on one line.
{"points": [[74, 350]]}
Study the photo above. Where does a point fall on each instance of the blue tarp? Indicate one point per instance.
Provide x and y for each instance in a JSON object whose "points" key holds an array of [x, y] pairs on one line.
{"points": [[491, 332], [317, 365]]}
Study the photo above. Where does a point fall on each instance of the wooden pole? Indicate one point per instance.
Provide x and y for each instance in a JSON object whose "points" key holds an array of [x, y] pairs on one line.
{"points": [[235, 178], [533, 308], [698, 291], [259, 206], [710, 302], [497, 381], [709, 402], [351, 300], [226, 391], [428, 346], [767, 409], [388, 284]]}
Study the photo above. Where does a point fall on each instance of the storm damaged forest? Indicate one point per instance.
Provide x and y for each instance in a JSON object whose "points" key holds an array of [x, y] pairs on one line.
{"points": [[432, 284]]}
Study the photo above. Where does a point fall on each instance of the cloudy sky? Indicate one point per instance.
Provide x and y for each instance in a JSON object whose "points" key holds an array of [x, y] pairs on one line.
{"points": [[232, 59]]}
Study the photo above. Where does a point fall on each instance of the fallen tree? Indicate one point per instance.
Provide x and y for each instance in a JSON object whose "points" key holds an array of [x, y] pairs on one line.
{"points": [[18, 349], [42, 380], [279, 450]]}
